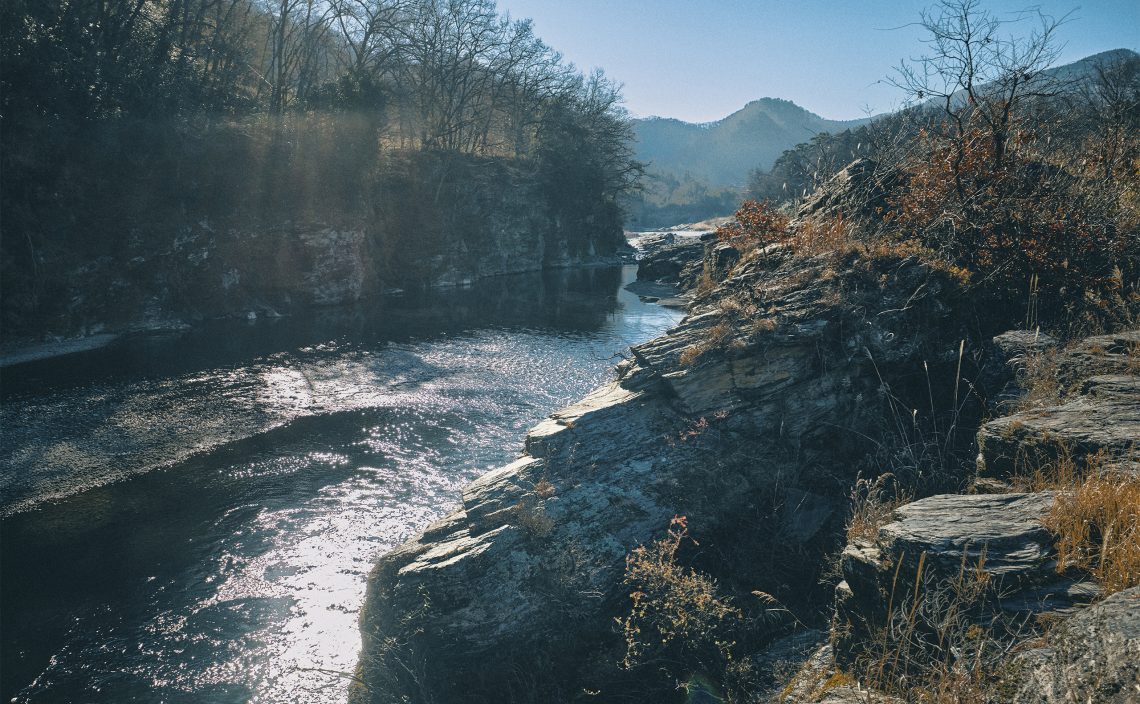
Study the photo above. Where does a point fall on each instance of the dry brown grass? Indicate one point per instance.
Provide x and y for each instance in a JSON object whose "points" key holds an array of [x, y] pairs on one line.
{"points": [[944, 642], [872, 503], [1095, 517], [820, 236], [1097, 524], [716, 335], [1038, 380]]}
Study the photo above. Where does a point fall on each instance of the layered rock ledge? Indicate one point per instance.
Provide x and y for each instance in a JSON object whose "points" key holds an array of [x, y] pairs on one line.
{"points": [[1100, 414], [999, 543], [751, 407]]}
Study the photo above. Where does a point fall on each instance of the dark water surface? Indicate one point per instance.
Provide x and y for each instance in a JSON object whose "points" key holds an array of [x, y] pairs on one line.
{"points": [[191, 518]]}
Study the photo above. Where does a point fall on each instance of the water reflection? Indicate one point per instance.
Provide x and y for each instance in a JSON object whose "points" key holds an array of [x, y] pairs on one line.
{"points": [[235, 574]]}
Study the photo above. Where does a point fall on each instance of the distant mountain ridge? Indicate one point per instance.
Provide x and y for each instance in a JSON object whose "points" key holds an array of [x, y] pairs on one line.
{"points": [[699, 170], [723, 152]]}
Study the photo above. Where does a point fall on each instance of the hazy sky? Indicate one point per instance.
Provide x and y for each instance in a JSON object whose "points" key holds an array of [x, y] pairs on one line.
{"points": [[700, 60]]}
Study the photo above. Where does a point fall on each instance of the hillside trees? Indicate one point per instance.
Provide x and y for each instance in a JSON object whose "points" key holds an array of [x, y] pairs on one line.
{"points": [[989, 180], [120, 119], [1020, 174]]}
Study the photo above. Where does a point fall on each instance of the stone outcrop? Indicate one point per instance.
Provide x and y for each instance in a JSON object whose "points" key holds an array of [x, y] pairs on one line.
{"points": [[999, 542], [1114, 354], [760, 398], [1006, 365], [1091, 657], [672, 262], [858, 192], [1100, 414]]}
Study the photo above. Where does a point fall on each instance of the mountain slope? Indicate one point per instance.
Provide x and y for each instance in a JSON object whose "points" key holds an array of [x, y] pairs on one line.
{"points": [[722, 153]]}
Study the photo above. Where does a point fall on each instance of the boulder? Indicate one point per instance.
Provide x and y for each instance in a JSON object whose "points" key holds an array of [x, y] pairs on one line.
{"points": [[668, 263]]}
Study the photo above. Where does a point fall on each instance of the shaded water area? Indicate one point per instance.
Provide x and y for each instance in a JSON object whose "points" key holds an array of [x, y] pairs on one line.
{"points": [[191, 518]]}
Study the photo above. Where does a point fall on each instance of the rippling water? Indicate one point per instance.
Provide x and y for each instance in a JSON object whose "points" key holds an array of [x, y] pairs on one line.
{"points": [[192, 518]]}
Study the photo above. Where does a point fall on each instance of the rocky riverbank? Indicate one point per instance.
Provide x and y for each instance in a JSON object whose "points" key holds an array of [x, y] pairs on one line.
{"points": [[435, 222], [692, 525], [744, 419]]}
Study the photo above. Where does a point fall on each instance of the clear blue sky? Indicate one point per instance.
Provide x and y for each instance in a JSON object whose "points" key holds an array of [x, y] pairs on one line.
{"points": [[700, 60]]}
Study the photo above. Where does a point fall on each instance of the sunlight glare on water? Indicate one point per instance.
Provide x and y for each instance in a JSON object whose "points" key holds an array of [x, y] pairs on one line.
{"points": [[235, 572]]}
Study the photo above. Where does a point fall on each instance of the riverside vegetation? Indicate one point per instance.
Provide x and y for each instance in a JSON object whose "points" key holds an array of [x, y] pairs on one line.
{"points": [[889, 455], [169, 161]]}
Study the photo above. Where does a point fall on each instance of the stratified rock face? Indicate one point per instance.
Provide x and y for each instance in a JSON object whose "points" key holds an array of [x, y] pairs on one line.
{"points": [[770, 385], [671, 262], [1100, 415], [1092, 657]]}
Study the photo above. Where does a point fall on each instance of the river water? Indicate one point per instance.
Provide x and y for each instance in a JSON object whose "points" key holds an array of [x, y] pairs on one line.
{"points": [[191, 517]]}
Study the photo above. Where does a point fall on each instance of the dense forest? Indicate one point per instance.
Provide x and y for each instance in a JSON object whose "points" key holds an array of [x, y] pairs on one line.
{"points": [[129, 127]]}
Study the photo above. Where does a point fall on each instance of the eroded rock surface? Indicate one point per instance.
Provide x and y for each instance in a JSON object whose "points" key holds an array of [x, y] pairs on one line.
{"points": [[1092, 657], [757, 400], [1118, 353], [1100, 417], [1000, 542]]}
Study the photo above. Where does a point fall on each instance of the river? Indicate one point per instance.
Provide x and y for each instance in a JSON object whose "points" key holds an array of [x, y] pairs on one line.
{"points": [[191, 517]]}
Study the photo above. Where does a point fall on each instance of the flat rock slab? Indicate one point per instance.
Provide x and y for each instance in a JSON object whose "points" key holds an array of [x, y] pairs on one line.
{"points": [[1118, 353], [1105, 416], [1004, 528]]}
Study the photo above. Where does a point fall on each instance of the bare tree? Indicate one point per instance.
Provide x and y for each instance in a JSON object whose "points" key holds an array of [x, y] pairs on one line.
{"points": [[979, 75]]}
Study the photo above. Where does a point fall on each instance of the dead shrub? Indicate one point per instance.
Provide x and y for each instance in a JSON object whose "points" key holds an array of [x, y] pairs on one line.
{"points": [[532, 518], [872, 503], [756, 223], [674, 605]]}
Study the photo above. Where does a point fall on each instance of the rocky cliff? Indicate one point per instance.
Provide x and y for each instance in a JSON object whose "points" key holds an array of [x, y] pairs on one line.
{"points": [[750, 418], [980, 577], [432, 221]]}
